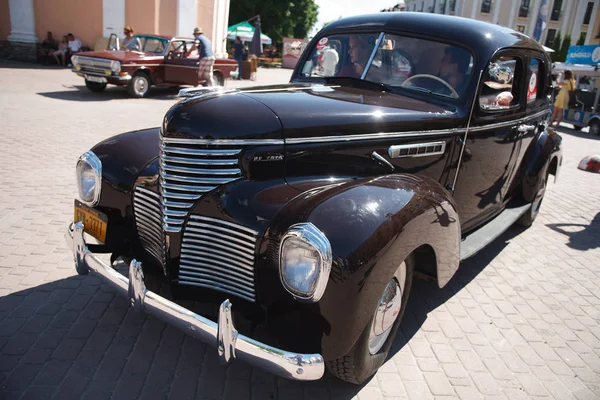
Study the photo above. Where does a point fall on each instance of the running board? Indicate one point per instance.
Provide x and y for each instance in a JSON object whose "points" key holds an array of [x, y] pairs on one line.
{"points": [[491, 231]]}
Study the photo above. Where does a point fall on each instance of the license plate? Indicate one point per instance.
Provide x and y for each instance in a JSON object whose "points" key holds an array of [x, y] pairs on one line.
{"points": [[94, 222], [98, 79]]}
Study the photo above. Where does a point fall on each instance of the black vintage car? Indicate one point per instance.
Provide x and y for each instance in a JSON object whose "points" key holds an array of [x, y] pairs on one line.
{"points": [[404, 143]]}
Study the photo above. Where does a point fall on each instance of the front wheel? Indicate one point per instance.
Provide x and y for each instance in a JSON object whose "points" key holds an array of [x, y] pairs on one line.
{"points": [[372, 347], [139, 85], [95, 86], [527, 219]]}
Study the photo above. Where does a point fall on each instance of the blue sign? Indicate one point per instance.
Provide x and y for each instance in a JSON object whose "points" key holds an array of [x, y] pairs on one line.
{"points": [[584, 55]]}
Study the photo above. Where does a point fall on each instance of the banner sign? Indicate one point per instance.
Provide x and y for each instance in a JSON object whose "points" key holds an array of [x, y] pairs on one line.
{"points": [[292, 50], [584, 55]]}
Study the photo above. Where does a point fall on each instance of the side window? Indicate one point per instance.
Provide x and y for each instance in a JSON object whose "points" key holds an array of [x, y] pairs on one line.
{"points": [[500, 88], [535, 80]]}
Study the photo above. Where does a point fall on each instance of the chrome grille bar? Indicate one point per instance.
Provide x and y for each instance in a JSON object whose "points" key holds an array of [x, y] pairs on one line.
{"points": [[188, 169], [219, 255], [147, 211]]}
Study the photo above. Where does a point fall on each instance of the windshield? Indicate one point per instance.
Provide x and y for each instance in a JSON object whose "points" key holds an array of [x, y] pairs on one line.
{"points": [[399, 61], [147, 44]]}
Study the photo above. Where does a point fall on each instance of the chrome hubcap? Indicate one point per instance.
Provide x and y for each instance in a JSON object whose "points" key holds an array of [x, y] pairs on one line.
{"points": [[388, 310], [140, 85]]}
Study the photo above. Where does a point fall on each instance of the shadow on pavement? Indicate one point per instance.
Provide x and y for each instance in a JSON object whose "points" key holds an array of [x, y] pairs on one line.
{"points": [[587, 238], [12, 64], [577, 133], [81, 93], [426, 296], [76, 338]]}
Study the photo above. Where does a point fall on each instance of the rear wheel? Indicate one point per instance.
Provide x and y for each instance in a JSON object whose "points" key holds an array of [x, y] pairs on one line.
{"points": [[95, 86], [372, 347], [218, 79], [139, 85], [527, 219]]}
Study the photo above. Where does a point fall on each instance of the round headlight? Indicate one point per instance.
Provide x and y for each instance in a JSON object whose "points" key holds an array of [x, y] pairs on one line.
{"points": [[75, 60], [89, 178], [115, 67], [305, 261]]}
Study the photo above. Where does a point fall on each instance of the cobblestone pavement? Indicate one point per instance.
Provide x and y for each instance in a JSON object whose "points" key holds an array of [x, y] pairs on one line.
{"points": [[520, 320]]}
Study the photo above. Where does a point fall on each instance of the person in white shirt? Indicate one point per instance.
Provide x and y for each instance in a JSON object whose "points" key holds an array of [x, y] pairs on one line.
{"points": [[330, 61], [74, 47]]}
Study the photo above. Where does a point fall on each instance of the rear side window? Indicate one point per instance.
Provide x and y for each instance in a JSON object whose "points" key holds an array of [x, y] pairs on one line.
{"points": [[500, 89], [535, 80]]}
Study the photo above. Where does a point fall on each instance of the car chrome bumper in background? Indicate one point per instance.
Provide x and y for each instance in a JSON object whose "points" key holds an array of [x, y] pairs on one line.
{"points": [[223, 335], [83, 73]]}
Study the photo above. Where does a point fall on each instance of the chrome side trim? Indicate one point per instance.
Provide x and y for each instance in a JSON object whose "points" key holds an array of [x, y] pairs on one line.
{"points": [[373, 136], [509, 123], [240, 142], [417, 150], [297, 366]]}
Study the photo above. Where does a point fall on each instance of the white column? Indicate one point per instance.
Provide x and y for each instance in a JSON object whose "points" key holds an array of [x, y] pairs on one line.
{"points": [[497, 5], [113, 17], [565, 14], [590, 34], [22, 21], [514, 9], [474, 9], [220, 17], [579, 21], [187, 11]]}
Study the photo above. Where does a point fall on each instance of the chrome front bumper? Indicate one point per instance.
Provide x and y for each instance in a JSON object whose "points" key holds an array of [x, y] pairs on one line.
{"points": [[119, 78], [230, 344]]}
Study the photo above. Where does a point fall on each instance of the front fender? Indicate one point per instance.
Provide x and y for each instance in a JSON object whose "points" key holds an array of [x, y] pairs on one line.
{"points": [[543, 156], [373, 225]]}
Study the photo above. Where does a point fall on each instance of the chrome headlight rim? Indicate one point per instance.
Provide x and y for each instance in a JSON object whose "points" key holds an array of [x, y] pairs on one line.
{"points": [[308, 233], [75, 60], [91, 159], [115, 67]]}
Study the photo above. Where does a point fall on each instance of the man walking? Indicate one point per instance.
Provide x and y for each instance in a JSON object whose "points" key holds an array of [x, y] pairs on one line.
{"points": [[207, 57]]}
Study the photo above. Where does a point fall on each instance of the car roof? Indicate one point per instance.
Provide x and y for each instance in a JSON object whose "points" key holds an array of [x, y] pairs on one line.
{"points": [[482, 37]]}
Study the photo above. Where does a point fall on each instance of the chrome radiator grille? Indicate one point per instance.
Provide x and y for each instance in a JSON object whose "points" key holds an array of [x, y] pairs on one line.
{"points": [[146, 208], [94, 64], [218, 255], [189, 168]]}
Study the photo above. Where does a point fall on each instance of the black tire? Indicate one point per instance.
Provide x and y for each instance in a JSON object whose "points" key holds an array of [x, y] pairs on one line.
{"points": [[218, 79], [577, 128], [595, 127], [527, 219], [359, 364], [95, 86], [139, 85]]}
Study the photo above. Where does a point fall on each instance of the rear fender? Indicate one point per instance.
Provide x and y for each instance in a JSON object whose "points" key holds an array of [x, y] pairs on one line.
{"points": [[543, 157], [373, 224]]}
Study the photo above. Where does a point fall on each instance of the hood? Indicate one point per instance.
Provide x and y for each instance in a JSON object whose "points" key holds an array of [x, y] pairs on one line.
{"points": [[302, 111], [117, 55], [317, 110]]}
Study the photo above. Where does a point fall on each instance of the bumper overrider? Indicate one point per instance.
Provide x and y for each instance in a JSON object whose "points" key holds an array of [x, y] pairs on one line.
{"points": [[230, 344]]}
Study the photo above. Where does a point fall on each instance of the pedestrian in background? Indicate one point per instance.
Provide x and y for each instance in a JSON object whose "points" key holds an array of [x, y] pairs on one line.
{"points": [[207, 57], [562, 100], [238, 55]]}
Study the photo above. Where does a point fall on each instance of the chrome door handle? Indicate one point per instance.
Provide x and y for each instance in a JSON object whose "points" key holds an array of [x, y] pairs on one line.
{"points": [[525, 128]]}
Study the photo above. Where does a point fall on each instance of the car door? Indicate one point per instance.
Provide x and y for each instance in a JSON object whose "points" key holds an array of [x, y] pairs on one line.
{"points": [[181, 68], [489, 161]]}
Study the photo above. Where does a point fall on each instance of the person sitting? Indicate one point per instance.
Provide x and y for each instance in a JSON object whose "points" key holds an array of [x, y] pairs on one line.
{"points": [[74, 47], [359, 51], [48, 46], [63, 48]]}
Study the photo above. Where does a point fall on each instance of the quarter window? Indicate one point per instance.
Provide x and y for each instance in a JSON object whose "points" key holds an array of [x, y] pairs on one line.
{"points": [[499, 89]]}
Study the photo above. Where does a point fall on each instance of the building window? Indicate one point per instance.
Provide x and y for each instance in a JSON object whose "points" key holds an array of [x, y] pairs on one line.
{"points": [[555, 16], [588, 13], [452, 6], [486, 6], [524, 9], [550, 37], [521, 28]]}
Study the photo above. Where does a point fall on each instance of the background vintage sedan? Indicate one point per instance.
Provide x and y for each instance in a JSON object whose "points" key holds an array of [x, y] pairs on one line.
{"points": [[148, 60]]}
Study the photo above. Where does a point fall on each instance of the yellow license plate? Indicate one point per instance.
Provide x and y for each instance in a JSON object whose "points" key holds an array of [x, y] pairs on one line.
{"points": [[94, 222]]}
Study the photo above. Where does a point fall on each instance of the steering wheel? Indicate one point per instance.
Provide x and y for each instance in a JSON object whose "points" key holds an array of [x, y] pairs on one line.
{"points": [[436, 78]]}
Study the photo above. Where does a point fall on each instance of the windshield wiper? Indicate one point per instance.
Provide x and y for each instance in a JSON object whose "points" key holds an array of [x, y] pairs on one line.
{"points": [[337, 79]]}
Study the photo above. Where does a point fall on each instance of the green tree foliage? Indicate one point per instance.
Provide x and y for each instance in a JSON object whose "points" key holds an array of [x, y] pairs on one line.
{"points": [[556, 44], [564, 47], [279, 18]]}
